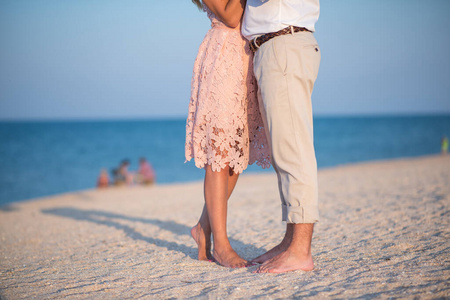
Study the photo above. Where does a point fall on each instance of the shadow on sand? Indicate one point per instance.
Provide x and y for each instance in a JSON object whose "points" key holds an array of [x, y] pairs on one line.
{"points": [[110, 219], [8, 208]]}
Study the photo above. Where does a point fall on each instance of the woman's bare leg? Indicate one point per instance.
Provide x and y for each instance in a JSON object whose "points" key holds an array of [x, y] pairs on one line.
{"points": [[201, 232], [216, 192]]}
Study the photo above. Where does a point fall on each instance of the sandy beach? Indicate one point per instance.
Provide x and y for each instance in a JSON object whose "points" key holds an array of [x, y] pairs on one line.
{"points": [[384, 233]]}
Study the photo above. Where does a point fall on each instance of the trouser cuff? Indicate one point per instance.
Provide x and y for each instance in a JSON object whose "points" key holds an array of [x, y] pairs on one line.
{"points": [[299, 214]]}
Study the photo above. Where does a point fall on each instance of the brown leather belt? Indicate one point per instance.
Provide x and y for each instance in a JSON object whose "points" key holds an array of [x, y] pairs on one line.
{"points": [[257, 42]]}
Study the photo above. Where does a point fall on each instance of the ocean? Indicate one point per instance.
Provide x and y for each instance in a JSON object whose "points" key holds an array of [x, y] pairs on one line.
{"points": [[46, 158]]}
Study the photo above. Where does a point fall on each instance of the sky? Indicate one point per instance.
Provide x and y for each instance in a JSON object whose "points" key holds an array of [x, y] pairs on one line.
{"points": [[108, 59]]}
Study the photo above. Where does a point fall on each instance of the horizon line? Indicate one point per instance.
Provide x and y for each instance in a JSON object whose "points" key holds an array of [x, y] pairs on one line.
{"points": [[179, 117]]}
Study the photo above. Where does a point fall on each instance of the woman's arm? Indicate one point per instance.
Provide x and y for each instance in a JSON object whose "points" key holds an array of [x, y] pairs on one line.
{"points": [[228, 11]]}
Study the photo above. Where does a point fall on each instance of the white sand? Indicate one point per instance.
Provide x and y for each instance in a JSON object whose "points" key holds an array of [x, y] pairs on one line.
{"points": [[384, 233]]}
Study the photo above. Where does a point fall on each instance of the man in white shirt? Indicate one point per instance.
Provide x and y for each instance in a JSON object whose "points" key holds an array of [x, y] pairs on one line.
{"points": [[286, 64]]}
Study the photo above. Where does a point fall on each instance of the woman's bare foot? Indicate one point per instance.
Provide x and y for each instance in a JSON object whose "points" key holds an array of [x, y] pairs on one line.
{"points": [[287, 261], [203, 241], [229, 258]]}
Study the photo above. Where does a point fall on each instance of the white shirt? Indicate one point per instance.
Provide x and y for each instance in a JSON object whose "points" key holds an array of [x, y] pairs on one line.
{"points": [[264, 16]]}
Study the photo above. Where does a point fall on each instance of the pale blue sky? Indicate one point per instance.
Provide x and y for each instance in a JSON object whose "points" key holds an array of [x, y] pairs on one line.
{"points": [[65, 59]]}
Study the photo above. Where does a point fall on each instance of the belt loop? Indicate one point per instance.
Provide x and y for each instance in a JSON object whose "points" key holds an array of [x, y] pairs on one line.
{"points": [[292, 29]]}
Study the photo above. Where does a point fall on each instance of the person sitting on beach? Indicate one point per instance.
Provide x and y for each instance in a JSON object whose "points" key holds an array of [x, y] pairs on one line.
{"points": [[122, 175], [145, 174], [103, 179]]}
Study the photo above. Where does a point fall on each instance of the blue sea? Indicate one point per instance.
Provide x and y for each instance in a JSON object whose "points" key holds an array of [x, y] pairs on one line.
{"points": [[46, 158]]}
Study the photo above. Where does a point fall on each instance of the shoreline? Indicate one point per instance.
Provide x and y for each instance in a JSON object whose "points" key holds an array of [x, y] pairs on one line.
{"points": [[384, 232], [248, 173]]}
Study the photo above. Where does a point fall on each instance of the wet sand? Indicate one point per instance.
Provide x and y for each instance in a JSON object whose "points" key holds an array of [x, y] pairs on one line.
{"points": [[384, 233]]}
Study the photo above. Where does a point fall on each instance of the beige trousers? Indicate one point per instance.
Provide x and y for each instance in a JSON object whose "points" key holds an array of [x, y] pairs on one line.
{"points": [[286, 68]]}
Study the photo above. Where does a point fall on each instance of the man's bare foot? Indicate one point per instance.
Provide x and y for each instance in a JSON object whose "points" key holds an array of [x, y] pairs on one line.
{"points": [[287, 261], [203, 241], [230, 259], [278, 249]]}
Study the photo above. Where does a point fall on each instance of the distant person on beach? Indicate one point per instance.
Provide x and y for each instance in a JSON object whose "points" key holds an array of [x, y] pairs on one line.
{"points": [[145, 174], [224, 129], [103, 179], [286, 65], [444, 145], [122, 175]]}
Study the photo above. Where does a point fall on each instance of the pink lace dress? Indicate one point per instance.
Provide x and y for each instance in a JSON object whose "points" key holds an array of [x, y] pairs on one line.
{"points": [[224, 125]]}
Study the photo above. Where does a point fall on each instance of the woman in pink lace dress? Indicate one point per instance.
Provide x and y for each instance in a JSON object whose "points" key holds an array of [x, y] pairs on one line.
{"points": [[224, 129]]}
